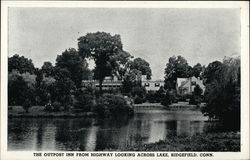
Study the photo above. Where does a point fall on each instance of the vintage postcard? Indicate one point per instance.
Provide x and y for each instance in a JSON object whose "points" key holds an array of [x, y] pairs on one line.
{"points": [[124, 80]]}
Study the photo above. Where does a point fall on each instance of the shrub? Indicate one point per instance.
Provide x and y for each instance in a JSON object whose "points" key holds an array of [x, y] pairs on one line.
{"points": [[84, 99], [193, 100], [173, 97], [184, 97], [197, 90], [138, 100], [139, 91], [112, 105], [150, 97], [56, 106], [66, 101], [166, 99], [48, 107], [26, 105]]}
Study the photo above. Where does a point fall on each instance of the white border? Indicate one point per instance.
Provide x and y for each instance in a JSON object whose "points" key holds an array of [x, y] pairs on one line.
{"points": [[244, 154]]}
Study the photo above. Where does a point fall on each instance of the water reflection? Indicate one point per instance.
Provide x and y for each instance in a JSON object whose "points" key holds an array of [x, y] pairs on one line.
{"points": [[88, 134]]}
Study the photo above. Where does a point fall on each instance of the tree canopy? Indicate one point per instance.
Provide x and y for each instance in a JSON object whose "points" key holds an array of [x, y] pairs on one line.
{"points": [[213, 72], [47, 69], [177, 67], [123, 59], [21, 64], [141, 65], [223, 91], [197, 70], [74, 64], [103, 49], [21, 87]]}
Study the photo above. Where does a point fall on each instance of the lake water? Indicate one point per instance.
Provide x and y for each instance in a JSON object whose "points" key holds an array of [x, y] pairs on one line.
{"points": [[89, 134]]}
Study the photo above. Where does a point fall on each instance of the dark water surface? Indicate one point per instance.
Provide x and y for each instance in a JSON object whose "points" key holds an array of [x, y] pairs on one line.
{"points": [[89, 134]]}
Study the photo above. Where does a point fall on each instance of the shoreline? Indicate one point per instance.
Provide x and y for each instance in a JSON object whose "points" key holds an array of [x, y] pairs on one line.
{"points": [[212, 141], [38, 112], [53, 115]]}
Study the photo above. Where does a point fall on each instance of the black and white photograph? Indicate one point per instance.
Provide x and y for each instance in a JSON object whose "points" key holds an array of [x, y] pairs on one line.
{"points": [[125, 80]]}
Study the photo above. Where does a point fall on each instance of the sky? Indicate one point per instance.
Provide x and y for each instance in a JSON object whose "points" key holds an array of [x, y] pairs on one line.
{"points": [[154, 34]]}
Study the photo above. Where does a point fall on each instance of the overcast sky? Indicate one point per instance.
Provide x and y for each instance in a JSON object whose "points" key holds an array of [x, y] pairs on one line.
{"points": [[199, 35]]}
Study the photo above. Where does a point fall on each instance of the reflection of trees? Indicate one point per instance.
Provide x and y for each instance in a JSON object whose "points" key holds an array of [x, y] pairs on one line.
{"points": [[21, 134], [112, 133], [138, 132], [71, 134], [39, 135], [92, 134], [183, 128], [216, 126], [17, 129], [196, 127], [171, 128], [106, 135]]}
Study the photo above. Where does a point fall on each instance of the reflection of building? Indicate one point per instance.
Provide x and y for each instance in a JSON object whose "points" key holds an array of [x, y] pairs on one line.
{"points": [[186, 85], [151, 85], [108, 83]]}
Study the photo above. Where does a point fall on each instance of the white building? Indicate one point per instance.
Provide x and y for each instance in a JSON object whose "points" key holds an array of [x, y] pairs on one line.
{"points": [[186, 85], [151, 85], [108, 83], [115, 83]]}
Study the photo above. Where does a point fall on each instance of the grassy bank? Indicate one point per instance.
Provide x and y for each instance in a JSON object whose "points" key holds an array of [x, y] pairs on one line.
{"points": [[38, 111], [227, 141]]}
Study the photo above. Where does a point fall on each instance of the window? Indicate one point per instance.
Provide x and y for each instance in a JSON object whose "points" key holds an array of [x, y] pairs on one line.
{"points": [[193, 83], [146, 84], [157, 84]]}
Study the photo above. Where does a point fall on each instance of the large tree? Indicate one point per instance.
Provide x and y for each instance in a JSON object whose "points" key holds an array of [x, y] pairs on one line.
{"points": [[77, 66], [21, 89], [44, 87], [63, 87], [21, 64], [47, 69], [223, 91], [130, 80], [102, 48], [177, 67], [123, 60], [197, 70], [141, 65], [212, 72]]}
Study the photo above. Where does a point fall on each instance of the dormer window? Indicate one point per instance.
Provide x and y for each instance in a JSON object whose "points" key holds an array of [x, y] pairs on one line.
{"points": [[146, 84]]}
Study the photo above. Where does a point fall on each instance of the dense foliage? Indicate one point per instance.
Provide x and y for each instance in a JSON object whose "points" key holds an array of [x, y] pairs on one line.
{"points": [[224, 142], [141, 65], [223, 91], [102, 48], [21, 64], [109, 105], [21, 89], [178, 67], [84, 99], [76, 66]]}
